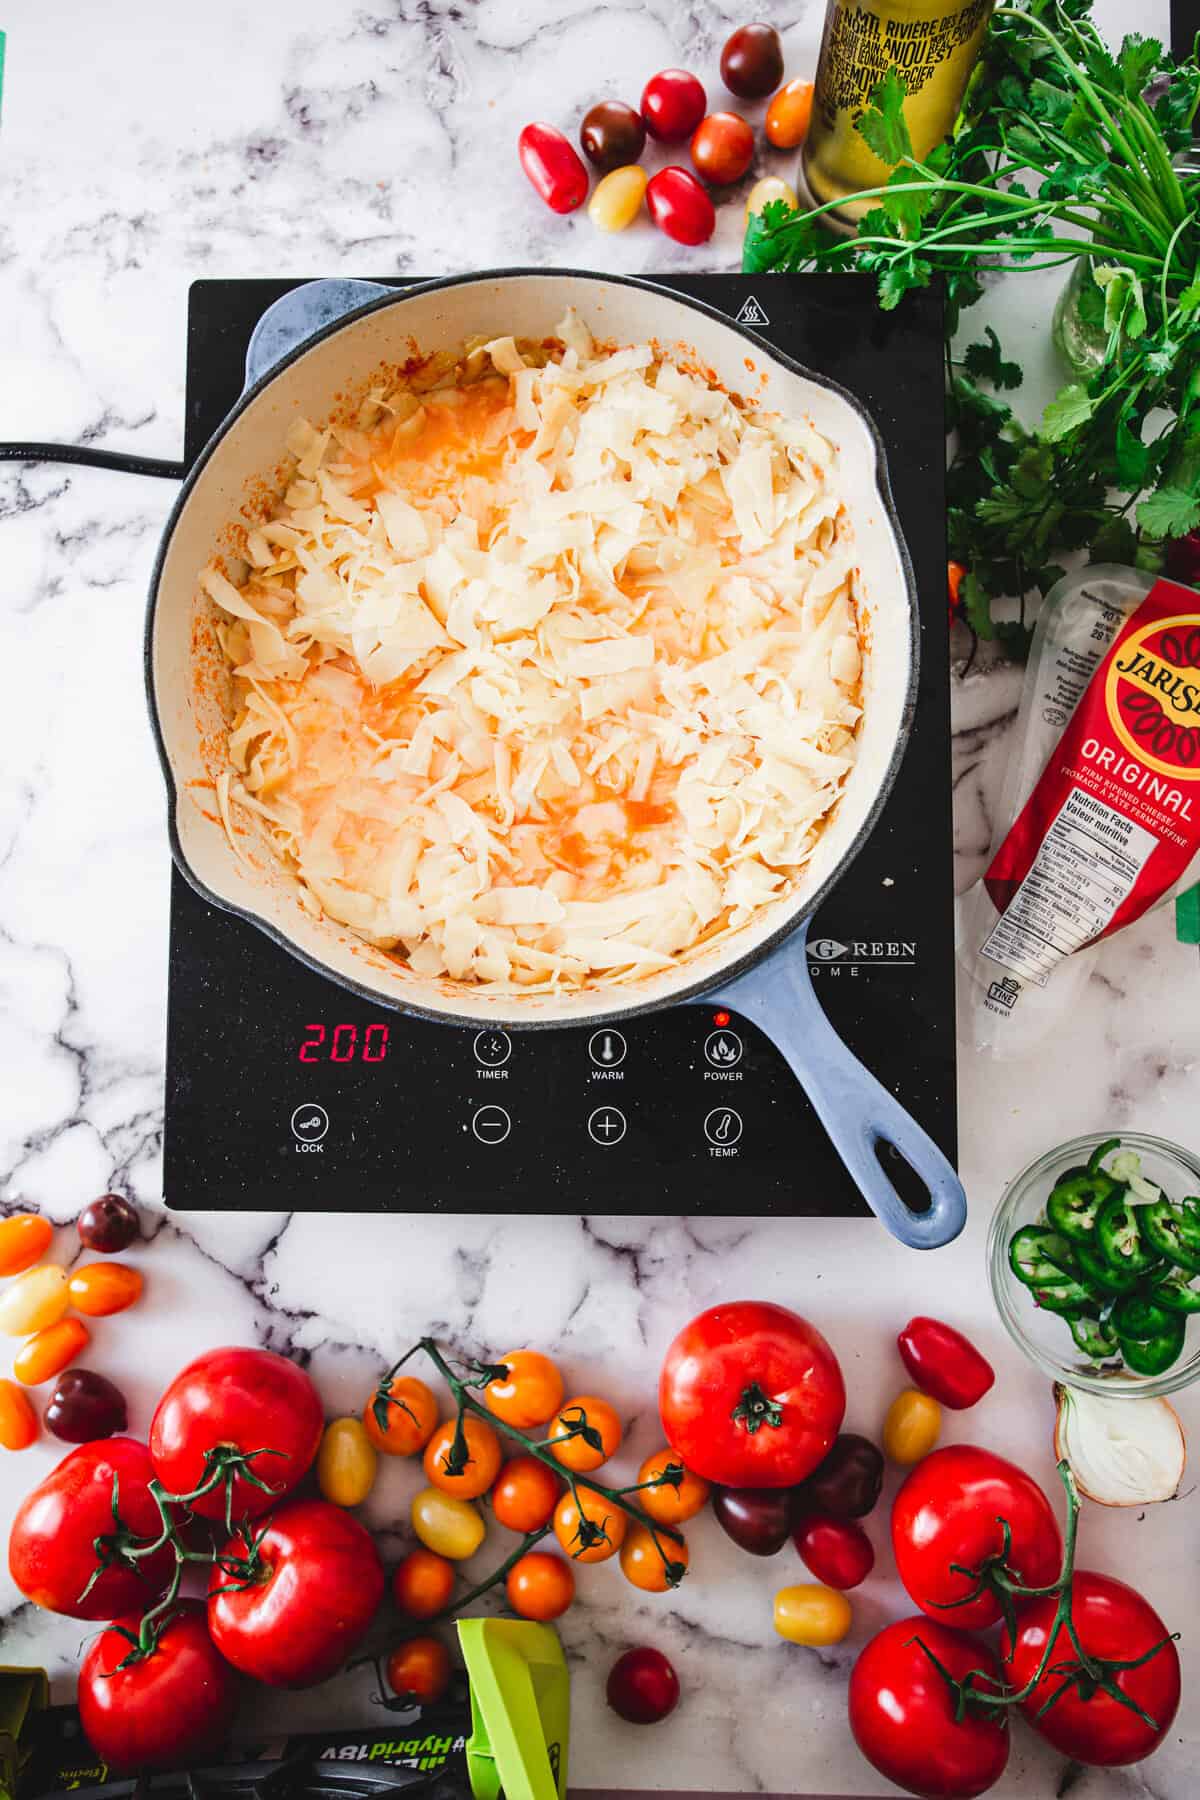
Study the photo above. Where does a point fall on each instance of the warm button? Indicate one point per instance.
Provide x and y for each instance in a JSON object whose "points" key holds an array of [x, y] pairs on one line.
{"points": [[607, 1048]]}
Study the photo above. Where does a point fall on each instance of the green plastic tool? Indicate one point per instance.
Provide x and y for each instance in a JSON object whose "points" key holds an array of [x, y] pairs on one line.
{"points": [[520, 1709], [1187, 916], [23, 1692]]}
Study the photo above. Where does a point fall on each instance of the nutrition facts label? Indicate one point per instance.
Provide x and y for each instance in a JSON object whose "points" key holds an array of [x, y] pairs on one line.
{"points": [[1087, 864]]}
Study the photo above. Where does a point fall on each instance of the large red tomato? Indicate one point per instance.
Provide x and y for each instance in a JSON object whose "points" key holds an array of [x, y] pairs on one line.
{"points": [[247, 1400], [1111, 1621], [902, 1712], [175, 1704], [949, 1511], [320, 1584], [751, 1395], [52, 1546]]}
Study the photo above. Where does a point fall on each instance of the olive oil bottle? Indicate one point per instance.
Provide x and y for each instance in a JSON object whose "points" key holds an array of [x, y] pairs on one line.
{"points": [[933, 44]]}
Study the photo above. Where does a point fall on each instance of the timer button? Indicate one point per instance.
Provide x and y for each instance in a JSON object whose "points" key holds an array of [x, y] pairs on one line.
{"points": [[493, 1049], [723, 1049], [607, 1048]]}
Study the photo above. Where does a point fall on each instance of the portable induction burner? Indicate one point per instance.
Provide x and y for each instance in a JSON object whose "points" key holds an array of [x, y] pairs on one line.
{"points": [[286, 1092]]}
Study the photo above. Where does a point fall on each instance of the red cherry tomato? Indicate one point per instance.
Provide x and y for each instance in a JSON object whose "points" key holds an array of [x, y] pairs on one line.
{"points": [[52, 1546], [320, 1583], [751, 1395], [838, 1551], [250, 1399], [673, 104], [902, 1712], [642, 1687], [680, 207], [948, 1512], [723, 147], [1111, 1621], [170, 1707], [555, 170], [945, 1364]]}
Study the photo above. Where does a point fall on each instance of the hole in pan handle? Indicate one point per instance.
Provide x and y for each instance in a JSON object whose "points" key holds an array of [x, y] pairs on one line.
{"points": [[294, 317], [856, 1110]]}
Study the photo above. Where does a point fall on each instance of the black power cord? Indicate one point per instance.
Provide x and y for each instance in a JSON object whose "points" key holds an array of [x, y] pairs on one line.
{"points": [[97, 459]]}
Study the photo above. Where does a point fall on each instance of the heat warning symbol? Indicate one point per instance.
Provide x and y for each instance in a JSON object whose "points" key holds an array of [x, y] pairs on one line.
{"points": [[751, 313], [723, 1049]]}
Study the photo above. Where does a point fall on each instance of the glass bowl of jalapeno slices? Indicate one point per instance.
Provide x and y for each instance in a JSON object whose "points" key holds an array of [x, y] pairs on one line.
{"points": [[1094, 1261]]}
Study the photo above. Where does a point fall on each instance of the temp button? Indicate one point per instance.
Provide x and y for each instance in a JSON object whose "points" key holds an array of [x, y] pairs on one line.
{"points": [[723, 1127], [491, 1124], [607, 1125]]}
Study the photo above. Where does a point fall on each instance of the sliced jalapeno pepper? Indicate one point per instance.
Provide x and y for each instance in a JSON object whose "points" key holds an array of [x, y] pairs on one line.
{"points": [[1100, 1152], [1150, 1356], [1040, 1257], [1170, 1231], [1094, 1272], [1069, 1298], [1075, 1201], [1136, 1317], [1095, 1338], [1175, 1294], [1119, 1235]]}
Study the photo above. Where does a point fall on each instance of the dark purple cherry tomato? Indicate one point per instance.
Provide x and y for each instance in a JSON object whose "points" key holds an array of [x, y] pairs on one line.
{"points": [[553, 166], [723, 147], [643, 1687], [680, 207], [752, 62], [612, 135], [837, 1551], [108, 1225], [846, 1485], [673, 104], [759, 1520], [84, 1406], [944, 1364]]}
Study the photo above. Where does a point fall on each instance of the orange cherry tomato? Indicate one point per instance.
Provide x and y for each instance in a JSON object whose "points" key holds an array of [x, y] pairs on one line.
{"points": [[568, 1444], [525, 1494], [675, 1501], [421, 1667], [24, 1240], [18, 1421], [540, 1586], [423, 1584], [649, 1564], [591, 1531], [49, 1351], [99, 1289], [412, 1416], [529, 1394], [482, 1460], [789, 113], [723, 148]]}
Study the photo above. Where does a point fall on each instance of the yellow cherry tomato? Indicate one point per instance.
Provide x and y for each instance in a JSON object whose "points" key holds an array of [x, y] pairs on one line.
{"points": [[411, 1413], [789, 113], [649, 1563], [771, 187], [49, 1351], [346, 1462], [912, 1427], [36, 1299], [592, 1530], [529, 1393], [99, 1289], [445, 1524], [675, 1501], [481, 1459], [618, 198], [18, 1421], [24, 1240], [585, 1434], [812, 1614]]}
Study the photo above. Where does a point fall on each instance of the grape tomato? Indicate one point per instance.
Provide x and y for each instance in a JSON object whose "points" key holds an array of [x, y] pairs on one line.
{"points": [[48, 1352], [612, 135], [642, 1687], [555, 171], [723, 148], [811, 1614], [617, 199], [446, 1525], [346, 1462], [848, 1483], [680, 207], [771, 187], [108, 1225], [912, 1427], [18, 1421], [34, 1300], [24, 1240], [673, 104], [100, 1289], [759, 1520], [84, 1406], [789, 114], [752, 62], [837, 1551], [943, 1363]]}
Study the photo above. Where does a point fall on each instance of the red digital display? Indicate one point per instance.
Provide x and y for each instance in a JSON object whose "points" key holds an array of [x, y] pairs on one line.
{"points": [[345, 1043]]}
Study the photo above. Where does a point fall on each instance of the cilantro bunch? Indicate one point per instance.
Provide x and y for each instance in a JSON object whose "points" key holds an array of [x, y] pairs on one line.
{"points": [[1064, 151]]}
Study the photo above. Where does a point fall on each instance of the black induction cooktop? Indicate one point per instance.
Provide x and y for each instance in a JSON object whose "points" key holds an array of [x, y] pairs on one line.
{"points": [[286, 1092]]}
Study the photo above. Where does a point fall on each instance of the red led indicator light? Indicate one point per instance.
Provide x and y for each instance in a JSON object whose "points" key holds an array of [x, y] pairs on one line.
{"points": [[721, 1018]]}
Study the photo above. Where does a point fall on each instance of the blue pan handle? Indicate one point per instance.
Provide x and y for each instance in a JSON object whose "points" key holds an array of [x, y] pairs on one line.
{"points": [[298, 315], [856, 1110]]}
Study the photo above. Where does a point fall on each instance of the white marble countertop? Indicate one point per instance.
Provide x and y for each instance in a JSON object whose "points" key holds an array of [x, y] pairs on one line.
{"points": [[140, 150]]}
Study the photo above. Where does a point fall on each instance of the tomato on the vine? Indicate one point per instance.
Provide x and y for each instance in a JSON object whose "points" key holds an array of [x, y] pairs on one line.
{"points": [[525, 1494], [247, 1401], [586, 1431], [529, 1393], [480, 1464], [165, 1708], [649, 1559], [751, 1395], [52, 1552], [420, 1669], [1088, 1723], [676, 1501], [411, 1412], [423, 1583], [902, 1712], [592, 1530], [949, 1511], [540, 1586]]}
